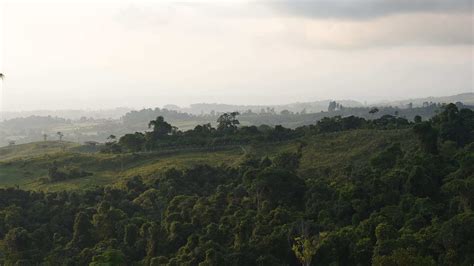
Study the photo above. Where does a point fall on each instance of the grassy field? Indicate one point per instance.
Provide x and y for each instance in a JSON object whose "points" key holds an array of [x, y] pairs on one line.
{"points": [[23, 165]]}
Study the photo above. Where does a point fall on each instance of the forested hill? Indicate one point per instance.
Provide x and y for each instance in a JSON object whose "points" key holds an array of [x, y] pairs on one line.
{"points": [[36, 128], [135, 120], [405, 199]]}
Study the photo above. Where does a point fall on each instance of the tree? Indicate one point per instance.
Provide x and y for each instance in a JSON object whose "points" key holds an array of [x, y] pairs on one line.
{"points": [[419, 184], [373, 110], [160, 127], [111, 145], [388, 158], [54, 173], [428, 137], [403, 257], [131, 235], [287, 160], [60, 135], [109, 257], [386, 239], [133, 142], [111, 138], [278, 187], [285, 112], [16, 241], [45, 137], [455, 125], [105, 220], [417, 119], [305, 247], [82, 231], [203, 130], [332, 106], [228, 122]]}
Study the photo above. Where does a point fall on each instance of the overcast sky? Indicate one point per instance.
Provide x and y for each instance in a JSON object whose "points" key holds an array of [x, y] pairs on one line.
{"points": [[102, 54]]}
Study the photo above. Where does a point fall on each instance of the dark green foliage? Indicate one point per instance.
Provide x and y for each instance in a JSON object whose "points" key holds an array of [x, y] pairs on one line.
{"points": [[388, 158], [82, 231], [228, 122], [287, 160], [417, 119], [455, 125], [17, 242], [160, 127], [109, 257], [55, 174], [111, 146], [451, 124], [428, 137], [228, 132], [403, 207], [133, 142]]}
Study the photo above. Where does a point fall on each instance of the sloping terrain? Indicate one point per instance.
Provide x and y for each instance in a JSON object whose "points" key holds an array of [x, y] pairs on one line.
{"points": [[24, 165]]}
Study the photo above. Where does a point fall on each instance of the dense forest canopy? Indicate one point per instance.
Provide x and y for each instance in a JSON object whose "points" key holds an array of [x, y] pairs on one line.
{"points": [[405, 206]]}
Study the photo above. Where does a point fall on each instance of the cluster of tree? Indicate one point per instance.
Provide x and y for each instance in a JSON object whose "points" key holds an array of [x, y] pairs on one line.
{"points": [[56, 173], [453, 124], [333, 106], [145, 115], [406, 206], [33, 128], [228, 131], [34, 122], [338, 123], [135, 120]]}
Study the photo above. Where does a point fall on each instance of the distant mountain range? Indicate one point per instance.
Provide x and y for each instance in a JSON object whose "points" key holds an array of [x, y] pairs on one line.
{"points": [[309, 107], [317, 106], [465, 98], [206, 108]]}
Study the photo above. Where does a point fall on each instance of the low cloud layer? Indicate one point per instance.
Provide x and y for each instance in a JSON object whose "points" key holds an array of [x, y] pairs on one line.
{"points": [[369, 9]]}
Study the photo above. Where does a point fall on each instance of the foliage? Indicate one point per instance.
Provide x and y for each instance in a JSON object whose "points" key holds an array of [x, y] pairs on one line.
{"points": [[404, 206]]}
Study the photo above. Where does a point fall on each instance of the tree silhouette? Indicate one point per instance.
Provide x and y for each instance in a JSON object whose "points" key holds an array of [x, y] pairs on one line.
{"points": [[428, 136], [228, 121], [60, 135], [373, 110], [160, 127], [332, 106]]}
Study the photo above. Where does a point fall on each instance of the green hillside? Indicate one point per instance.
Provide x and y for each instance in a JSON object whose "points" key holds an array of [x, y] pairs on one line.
{"points": [[33, 149], [345, 191], [24, 165]]}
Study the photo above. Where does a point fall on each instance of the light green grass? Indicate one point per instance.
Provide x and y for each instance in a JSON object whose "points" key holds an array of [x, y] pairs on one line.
{"points": [[32, 149], [23, 165]]}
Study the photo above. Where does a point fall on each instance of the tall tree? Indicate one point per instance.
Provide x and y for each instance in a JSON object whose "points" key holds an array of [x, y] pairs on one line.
{"points": [[82, 231], [428, 136], [228, 122], [160, 127], [332, 106], [60, 135]]}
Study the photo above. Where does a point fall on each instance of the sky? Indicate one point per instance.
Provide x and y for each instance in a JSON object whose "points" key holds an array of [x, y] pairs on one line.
{"points": [[105, 54]]}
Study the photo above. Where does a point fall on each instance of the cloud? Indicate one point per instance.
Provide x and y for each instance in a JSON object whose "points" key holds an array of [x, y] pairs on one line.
{"points": [[368, 9], [397, 30]]}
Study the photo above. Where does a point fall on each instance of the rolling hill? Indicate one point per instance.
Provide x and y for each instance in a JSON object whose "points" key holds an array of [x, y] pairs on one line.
{"points": [[24, 165]]}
